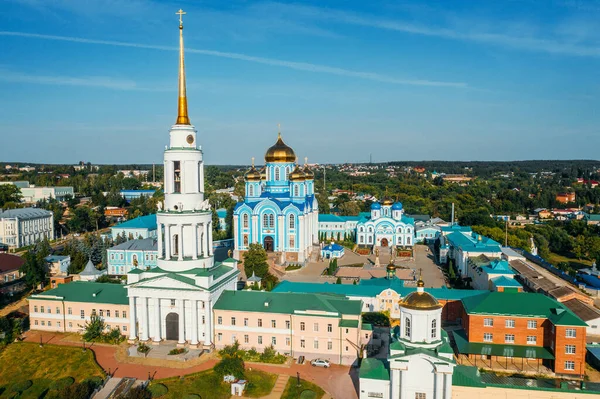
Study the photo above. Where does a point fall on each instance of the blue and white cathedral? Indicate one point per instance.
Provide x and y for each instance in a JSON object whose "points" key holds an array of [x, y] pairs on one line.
{"points": [[387, 226], [280, 210]]}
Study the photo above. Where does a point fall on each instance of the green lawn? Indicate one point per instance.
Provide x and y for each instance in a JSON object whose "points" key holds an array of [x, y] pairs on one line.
{"points": [[575, 263], [306, 390], [207, 385], [24, 361]]}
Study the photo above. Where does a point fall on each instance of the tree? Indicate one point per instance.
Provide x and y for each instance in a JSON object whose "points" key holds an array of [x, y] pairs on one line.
{"points": [[94, 328], [339, 280], [138, 392], [255, 260], [9, 193], [351, 208], [376, 319], [34, 268]]}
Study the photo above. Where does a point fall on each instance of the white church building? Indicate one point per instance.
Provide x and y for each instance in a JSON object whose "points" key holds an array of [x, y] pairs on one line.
{"points": [[174, 300], [420, 362]]}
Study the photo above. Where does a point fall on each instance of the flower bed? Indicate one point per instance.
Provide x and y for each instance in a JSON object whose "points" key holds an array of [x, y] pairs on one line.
{"points": [[177, 351]]}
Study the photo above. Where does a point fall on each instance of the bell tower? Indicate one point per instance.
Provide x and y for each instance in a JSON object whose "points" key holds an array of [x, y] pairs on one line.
{"points": [[184, 222]]}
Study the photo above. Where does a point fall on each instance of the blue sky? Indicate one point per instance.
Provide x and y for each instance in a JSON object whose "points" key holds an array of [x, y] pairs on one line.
{"points": [[448, 80]]}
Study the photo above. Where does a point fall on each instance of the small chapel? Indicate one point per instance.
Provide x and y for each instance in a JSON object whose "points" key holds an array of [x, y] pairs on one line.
{"points": [[279, 210], [420, 361]]}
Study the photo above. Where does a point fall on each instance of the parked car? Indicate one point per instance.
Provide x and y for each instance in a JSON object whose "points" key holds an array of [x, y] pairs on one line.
{"points": [[320, 363]]}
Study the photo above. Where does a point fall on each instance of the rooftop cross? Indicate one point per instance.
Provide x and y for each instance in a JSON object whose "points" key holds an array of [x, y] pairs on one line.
{"points": [[181, 13]]}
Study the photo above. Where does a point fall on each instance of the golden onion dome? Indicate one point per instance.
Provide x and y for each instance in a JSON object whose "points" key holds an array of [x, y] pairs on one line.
{"points": [[388, 201], [252, 174], [308, 173], [297, 174], [391, 267], [280, 152], [420, 300]]}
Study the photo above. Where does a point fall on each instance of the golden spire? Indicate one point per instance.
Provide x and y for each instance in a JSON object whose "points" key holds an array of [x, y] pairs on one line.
{"points": [[279, 131], [182, 111]]}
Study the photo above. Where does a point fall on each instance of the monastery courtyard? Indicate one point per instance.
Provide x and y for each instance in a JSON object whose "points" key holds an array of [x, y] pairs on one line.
{"points": [[423, 259]]}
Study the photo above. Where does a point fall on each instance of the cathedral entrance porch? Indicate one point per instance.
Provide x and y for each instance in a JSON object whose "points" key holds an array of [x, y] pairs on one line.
{"points": [[384, 242], [172, 327], [268, 244]]}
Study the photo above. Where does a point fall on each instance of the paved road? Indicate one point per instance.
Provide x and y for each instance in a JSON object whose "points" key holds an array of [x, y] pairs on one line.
{"points": [[432, 273]]}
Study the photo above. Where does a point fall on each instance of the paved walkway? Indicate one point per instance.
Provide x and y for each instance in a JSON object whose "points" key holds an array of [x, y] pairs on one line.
{"points": [[279, 387], [338, 381]]}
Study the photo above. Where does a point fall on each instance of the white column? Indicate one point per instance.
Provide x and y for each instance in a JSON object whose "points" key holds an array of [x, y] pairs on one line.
{"points": [[180, 243], [208, 323], [254, 231], [161, 237], [448, 383], [210, 239], [201, 228], [168, 242], [395, 382], [144, 319], [132, 314], [157, 321], [439, 385], [300, 236], [194, 304], [281, 239], [181, 321], [195, 248], [403, 384]]}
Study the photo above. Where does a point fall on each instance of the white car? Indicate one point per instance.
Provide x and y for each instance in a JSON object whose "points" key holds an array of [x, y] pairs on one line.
{"points": [[320, 363]]}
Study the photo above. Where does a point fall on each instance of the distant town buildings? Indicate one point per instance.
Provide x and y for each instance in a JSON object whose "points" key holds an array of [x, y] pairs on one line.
{"points": [[32, 194], [140, 227], [25, 226], [133, 254], [10, 273], [565, 198]]}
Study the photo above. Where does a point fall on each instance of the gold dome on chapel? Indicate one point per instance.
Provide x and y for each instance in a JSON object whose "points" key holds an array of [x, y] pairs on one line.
{"points": [[280, 152], [388, 201], [297, 174], [308, 173], [420, 301]]}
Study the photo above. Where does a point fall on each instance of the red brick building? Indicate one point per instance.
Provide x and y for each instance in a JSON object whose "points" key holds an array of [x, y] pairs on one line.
{"points": [[529, 328], [565, 198]]}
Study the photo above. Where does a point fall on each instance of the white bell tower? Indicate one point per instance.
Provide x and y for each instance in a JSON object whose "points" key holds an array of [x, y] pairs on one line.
{"points": [[185, 221]]}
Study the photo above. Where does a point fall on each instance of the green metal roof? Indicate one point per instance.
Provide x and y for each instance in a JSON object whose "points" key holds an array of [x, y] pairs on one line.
{"points": [[467, 376], [367, 327], [472, 243], [84, 291], [216, 272], [372, 288], [503, 281], [286, 303], [521, 304], [508, 350], [349, 323], [374, 369]]}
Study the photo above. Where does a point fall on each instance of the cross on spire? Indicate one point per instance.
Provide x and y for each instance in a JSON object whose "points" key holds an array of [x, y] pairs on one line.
{"points": [[181, 13]]}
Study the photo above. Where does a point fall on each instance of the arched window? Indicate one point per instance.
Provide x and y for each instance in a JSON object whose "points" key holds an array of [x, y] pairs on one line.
{"points": [[245, 220], [434, 328], [296, 190], [362, 229], [265, 220], [292, 222], [276, 173], [286, 171], [251, 191], [407, 327], [268, 220], [399, 230], [370, 229]]}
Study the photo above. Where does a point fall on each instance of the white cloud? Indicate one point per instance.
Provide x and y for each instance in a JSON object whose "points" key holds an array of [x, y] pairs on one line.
{"points": [[300, 66]]}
